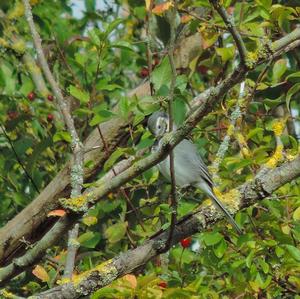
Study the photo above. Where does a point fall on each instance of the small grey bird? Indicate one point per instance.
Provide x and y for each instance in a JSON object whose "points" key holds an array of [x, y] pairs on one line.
{"points": [[189, 168]]}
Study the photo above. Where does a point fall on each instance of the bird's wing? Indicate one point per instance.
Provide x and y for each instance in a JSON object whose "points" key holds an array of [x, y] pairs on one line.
{"points": [[192, 154]]}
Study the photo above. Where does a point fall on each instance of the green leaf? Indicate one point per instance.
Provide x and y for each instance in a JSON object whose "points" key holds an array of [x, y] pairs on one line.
{"points": [[225, 53], [113, 25], [220, 249], [81, 59], [27, 85], [22, 145], [101, 116], [279, 69], [124, 106], [265, 266], [293, 251], [107, 292], [116, 232], [162, 74], [122, 45], [181, 82], [80, 95], [106, 86], [148, 105], [254, 132], [279, 251], [94, 36], [296, 214], [249, 258], [119, 152], [265, 3], [90, 5], [6, 72], [294, 89], [89, 239], [62, 135], [212, 238], [293, 76], [179, 108]]}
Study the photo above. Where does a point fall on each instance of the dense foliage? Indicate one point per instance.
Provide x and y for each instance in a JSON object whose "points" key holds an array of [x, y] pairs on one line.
{"points": [[98, 57]]}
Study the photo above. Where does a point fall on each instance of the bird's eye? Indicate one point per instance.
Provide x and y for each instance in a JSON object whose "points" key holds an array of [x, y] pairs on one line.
{"points": [[158, 126]]}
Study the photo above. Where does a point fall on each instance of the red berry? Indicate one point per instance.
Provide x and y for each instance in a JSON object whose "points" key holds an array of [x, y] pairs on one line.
{"points": [[50, 117], [31, 96], [50, 97], [202, 69], [163, 284], [12, 114], [185, 243], [144, 72]]}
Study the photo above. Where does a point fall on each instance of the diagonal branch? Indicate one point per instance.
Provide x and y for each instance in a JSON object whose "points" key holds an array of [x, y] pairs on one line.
{"points": [[229, 22]]}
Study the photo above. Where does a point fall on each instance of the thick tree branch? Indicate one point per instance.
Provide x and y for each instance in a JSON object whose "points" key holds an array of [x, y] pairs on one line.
{"points": [[263, 185], [203, 106]]}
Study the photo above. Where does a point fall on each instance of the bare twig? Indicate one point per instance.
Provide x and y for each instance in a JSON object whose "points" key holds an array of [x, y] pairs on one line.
{"points": [[173, 206], [77, 147], [217, 26], [73, 246], [149, 41], [235, 115], [229, 22]]}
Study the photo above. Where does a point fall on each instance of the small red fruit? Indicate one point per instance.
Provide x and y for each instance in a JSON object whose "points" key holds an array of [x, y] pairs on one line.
{"points": [[12, 114], [144, 72], [163, 284], [31, 96], [50, 97], [202, 69], [50, 117], [185, 243]]}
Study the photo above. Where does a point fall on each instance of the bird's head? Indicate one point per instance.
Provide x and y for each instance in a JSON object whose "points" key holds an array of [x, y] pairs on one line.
{"points": [[158, 123]]}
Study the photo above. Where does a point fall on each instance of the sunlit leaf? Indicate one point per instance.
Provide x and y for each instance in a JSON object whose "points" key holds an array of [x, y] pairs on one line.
{"points": [[40, 273], [58, 213]]}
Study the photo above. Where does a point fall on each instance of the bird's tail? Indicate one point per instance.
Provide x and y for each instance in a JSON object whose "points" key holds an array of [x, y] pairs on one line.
{"points": [[218, 203], [208, 190]]}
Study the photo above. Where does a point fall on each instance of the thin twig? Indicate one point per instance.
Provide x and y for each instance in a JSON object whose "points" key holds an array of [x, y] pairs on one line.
{"points": [[19, 160], [235, 115], [73, 246], [149, 39], [220, 27], [76, 144], [173, 206], [229, 22]]}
